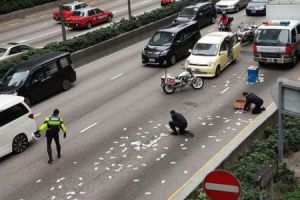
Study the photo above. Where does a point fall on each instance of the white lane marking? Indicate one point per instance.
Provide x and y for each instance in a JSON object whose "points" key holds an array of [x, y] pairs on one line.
{"points": [[224, 90], [36, 115], [87, 128], [135, 5], [26, 40], [121, 74], [211, 30], [222, 187]]}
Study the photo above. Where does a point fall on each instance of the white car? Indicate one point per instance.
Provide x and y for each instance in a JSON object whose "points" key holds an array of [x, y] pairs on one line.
{"points": [[231, 5], [16, 124], [12, 49]]}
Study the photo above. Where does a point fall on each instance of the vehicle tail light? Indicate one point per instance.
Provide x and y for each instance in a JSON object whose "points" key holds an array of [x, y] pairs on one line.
{"points": [[254, 48], [31, 116], [289, 48]]}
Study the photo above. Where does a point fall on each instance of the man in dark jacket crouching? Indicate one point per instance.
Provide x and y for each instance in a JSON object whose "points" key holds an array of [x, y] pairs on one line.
{"points": [[257, 101], [178, 121]]}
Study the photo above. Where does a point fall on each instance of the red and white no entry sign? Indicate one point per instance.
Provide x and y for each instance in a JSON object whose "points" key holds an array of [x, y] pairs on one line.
{"points": [[221, 185]]}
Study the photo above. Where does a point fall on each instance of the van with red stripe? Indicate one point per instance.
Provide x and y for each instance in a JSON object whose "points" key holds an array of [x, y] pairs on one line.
{"points": [[277, 41]]}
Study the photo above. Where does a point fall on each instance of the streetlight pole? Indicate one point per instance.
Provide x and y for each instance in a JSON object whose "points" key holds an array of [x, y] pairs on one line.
{"points": [[62, 21], [129, 9]]}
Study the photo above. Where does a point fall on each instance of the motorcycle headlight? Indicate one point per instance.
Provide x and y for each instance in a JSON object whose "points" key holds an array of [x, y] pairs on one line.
{"points": [[231, 6], [163, 53]]}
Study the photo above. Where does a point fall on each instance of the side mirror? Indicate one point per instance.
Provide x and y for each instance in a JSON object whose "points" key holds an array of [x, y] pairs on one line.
{"points": [[190, 50], [222, 53], [177, 42]]}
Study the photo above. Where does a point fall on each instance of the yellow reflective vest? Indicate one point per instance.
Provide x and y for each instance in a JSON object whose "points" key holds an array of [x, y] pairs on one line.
{"points": [[53, 123]]}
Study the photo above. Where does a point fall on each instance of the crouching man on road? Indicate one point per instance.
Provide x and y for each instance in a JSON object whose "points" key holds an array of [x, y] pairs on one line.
{"points": [[178, 121], [257, 101]]}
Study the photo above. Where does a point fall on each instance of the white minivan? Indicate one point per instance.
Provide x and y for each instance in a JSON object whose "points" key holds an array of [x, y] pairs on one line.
{"points": [[16, 124]]}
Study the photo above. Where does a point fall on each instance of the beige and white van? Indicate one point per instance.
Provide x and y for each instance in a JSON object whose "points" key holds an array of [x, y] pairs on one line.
{"points": [[16, 124]]}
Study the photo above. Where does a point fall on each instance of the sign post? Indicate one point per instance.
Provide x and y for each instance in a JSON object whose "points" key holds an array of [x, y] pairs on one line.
{"points": [[286, 94], [221, 185], [265, 176]]}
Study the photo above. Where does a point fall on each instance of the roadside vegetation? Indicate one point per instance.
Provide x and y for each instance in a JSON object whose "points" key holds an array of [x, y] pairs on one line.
{"points": [[13, 5], [101, 35], [248, 164]]}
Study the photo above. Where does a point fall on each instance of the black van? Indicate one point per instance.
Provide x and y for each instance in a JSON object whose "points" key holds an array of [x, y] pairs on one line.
{"points": [[171, 44], [203, 13], [39, 77]]}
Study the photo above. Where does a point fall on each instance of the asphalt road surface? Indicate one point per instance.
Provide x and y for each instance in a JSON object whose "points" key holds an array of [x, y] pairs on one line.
{"points": [[39, 29], [118, 145]]}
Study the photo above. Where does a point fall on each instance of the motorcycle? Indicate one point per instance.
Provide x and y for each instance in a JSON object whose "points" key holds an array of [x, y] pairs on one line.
{"points": [[225, 27], [246, 33], [186, 78]]}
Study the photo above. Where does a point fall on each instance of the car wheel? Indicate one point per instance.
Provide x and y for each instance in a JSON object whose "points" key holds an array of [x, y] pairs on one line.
{"points": [[19, 143], [237, 8], [173, 60], [66, 85], [109, 19], [295, 59], [213, 20], [89, 25], [218, 71], [27, 100]]}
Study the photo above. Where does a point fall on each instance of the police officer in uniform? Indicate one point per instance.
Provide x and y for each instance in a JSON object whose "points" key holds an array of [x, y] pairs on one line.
{"points": [[53, 124], [178, 120], [257, 101]]}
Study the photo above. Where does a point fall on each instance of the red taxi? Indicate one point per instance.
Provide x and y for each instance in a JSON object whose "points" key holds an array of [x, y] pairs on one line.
{"points": [[166, 2], [88, 17], [68, 9]]}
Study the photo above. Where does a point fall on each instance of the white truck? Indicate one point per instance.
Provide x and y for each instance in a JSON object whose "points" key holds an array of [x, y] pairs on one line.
{"points": [[278, 39]]}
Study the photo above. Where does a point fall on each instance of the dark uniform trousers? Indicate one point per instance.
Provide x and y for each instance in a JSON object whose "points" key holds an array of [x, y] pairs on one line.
{"points": [[50, 135]]}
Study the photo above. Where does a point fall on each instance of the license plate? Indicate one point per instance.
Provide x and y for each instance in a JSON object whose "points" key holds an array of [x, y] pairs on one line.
{"points": [[253, 11], [270, 60], [280, 61], [170, 81], [151, 60]]}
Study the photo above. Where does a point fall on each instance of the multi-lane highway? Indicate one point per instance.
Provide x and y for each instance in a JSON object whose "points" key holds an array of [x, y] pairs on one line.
{"points": [[39, 28], [118, 146]]}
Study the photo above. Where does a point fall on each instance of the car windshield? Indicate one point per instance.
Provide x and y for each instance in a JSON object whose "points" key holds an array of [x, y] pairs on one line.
{"points": [[188, 12], [259, 1], [78, 13], [14, 78], [162, 39], [273, 36], [205, 49], [68, 8], [2, 51]]}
